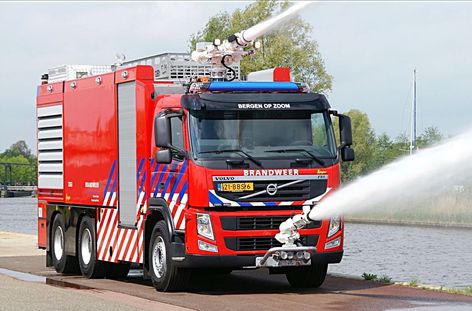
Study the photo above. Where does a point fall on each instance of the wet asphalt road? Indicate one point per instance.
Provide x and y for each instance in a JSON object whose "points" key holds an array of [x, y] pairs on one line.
{"points": [[256, 290]]}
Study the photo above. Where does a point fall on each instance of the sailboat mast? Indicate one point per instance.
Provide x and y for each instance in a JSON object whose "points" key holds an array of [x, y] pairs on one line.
{"points": [[413, 146]]}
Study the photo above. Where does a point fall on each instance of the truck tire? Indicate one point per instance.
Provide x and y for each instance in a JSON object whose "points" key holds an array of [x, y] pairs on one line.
{"points": [[164, 275], [307, 277], [117, 270], [90, 266], [61, 262]]}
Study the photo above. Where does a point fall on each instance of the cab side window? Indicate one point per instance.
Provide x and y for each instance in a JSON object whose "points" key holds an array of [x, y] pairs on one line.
{"points": [[177, 133]]}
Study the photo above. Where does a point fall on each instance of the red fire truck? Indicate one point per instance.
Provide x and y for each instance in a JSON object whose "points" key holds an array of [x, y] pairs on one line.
{"points": [[175, 177], [137, 171]]}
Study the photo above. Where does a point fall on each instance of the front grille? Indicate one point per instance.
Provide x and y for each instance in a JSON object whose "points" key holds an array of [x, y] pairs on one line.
{"points": [[304, 190], [263, 243], [258, 223]]}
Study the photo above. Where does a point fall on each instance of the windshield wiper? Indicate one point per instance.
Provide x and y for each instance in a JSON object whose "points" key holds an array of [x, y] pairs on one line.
{"points": [[247, 155], [314, 157]]}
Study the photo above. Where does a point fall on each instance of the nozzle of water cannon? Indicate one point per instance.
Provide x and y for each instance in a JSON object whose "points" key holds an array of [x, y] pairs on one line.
{"points": [[288, 230]]}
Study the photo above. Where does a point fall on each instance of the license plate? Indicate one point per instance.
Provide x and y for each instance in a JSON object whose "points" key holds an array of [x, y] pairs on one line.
{"points": [[236, 187]]}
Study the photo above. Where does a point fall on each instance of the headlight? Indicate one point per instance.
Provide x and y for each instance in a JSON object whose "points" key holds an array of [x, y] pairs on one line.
{"points": [[204, 226], [204, 246], [334, 243], [334, 225]]}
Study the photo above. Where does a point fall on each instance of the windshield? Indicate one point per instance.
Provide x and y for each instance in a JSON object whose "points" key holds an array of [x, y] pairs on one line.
{"points": [[261, 134]]}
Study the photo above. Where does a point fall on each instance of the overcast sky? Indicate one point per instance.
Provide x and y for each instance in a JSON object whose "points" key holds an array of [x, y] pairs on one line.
{"points": [[371, 49]]}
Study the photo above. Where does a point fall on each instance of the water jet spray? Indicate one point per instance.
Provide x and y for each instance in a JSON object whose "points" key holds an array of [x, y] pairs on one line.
{"points": [[426, 171]]}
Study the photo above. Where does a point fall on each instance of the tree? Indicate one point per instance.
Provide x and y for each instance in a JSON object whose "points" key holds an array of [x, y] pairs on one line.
{"points": [[18, 153], [364, 146], [430, 136], [290, 45], [17, 149], [388, 149]]}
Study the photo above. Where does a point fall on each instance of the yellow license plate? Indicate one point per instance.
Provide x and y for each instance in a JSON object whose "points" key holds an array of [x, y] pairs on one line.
{"points": [[236, 187]]}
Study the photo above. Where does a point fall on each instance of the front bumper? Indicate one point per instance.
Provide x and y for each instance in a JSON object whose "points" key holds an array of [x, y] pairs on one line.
{"points": [[243, 261]]}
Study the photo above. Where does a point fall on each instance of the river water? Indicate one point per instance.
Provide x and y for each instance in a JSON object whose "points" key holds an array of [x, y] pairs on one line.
{"points": [[435, 256], [431, 255], [19, 215]]}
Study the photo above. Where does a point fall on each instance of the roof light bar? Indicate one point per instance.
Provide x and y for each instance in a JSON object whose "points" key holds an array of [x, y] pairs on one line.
{"points": [[243, 86]]}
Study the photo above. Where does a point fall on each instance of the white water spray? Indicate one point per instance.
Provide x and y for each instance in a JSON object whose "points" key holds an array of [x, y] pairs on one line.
{"points": [[412, 177]]}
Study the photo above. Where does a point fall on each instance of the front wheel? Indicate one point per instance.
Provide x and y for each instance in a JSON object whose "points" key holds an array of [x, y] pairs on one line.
{"points": [[90, 266], [164, 275], [307, 277]]}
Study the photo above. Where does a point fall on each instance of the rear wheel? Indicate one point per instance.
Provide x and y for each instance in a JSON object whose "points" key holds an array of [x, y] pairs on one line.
{"points": [[164, 275], [61, 262], [307, 277], [90, 266]]}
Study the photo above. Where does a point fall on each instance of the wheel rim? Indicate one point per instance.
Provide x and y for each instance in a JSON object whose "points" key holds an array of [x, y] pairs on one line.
{"points": [[86, 246], [58, 242], [159, 257]]}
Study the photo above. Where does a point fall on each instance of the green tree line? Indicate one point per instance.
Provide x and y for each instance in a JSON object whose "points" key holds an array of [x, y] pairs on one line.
{"points": [[18, 153], [374, 151]]}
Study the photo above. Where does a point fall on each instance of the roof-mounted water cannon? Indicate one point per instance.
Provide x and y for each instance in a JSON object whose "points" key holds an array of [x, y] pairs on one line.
{"points": [[221, 54]]}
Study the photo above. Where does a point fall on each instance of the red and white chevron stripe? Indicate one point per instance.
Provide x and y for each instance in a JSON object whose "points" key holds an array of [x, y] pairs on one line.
{"points": [[178, 202], [119, 244], [177, 209]]}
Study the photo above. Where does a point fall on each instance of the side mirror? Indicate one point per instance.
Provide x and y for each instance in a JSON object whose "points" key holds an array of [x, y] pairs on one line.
{"points": [[345, 130], [162, 132], [164, 156], [347, 154]]}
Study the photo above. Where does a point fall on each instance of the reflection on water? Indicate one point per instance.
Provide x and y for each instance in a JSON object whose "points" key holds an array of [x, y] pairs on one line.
{"points": [[435, 256]]}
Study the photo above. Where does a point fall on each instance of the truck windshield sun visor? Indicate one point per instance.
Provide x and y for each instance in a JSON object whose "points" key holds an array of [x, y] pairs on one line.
{"points": [[254, 101]]}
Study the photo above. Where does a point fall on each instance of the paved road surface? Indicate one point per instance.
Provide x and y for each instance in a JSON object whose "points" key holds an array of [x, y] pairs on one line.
{"points": [[256, 290], [21, 295]]}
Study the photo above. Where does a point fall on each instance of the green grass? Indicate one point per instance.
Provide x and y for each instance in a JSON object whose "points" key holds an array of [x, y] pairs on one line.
{"points": [[385, 279], [374, 277], [468, 290], [413, 282], [369, 276], [457, 291]]}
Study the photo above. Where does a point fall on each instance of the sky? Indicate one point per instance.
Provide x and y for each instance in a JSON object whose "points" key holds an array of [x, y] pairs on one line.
{"points": [[370, 48]]}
